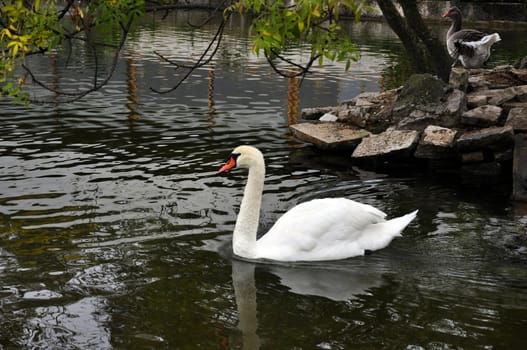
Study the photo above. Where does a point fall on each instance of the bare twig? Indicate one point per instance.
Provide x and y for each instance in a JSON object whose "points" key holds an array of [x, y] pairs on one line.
{"points": [[65, 10], [299, 71], [203, 60], [75, 96]]}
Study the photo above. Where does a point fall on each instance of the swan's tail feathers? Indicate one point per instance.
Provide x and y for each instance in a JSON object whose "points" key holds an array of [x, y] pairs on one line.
{"points": [[378, 236], [400, 223]]}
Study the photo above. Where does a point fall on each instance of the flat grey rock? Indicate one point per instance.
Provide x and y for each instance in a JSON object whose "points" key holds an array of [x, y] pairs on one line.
{"points": [[329, 136], [388, 143]]}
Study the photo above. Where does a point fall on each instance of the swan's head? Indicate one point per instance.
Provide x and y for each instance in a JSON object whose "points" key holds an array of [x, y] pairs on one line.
{"points": [[243, 157]]}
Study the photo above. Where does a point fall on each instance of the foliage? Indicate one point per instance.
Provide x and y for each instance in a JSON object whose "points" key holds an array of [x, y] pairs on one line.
{"points": [[25, 29], [278, 23], [41, 26]]}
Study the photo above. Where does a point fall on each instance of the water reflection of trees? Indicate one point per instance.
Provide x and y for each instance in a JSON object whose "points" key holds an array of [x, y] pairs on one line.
{"points": [[84, 66], [210, 96], [131, 83], [293, 99]]}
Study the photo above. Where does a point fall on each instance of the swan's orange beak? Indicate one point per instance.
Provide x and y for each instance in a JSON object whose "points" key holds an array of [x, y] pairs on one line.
{"points": [[446, 13], [231, 163]]}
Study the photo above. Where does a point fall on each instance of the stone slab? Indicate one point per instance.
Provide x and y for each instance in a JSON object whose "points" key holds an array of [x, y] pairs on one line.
{"points": [[374, 117], [329, 136], [436, 143], [520, 73], [519, 168], [507, 94], [517, 119], [507, 106], [472, 157], [521, 93], [388, 143], [498, 96], [315, 112], [494, 138], [438, 136], [497, 78], [476, 100], [458, 78], [447, 112], [369, 98], [363, 102], [328, 117], [482, 116]]}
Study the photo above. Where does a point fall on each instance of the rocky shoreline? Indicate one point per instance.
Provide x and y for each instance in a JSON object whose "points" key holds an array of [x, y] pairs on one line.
{"points": [[476, 125]]}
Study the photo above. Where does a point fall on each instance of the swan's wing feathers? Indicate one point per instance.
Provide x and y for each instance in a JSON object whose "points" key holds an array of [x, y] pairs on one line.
{"points": [[320, 217], [329, 229], [322, 224]]}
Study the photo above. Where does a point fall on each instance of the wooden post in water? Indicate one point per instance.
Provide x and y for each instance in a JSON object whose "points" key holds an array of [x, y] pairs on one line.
{"points": [[519, 168]]}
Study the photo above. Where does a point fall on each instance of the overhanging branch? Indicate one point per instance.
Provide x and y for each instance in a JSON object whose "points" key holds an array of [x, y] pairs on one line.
{"points": [[75, 96], [202, 61]]}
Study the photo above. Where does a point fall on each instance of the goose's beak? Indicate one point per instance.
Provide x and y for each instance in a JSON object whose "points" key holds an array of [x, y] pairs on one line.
{"points": [[231, 163]]}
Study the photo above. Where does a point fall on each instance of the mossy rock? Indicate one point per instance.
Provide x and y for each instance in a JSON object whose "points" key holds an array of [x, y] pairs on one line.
{"points": [[426, 100], [422, 89]]}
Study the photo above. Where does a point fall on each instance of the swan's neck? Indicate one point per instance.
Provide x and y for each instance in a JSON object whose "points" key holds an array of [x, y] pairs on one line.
{"points": [[244, 237]]}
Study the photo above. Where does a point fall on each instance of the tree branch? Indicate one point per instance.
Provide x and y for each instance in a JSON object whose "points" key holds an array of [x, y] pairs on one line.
{"points": [[407, 36], [439, 57], [75, 96], [300, 71], [201, 61]]}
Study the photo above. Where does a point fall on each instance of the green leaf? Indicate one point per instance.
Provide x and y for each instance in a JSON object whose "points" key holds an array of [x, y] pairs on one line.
{"points": [[7, 87], [301, 26]]}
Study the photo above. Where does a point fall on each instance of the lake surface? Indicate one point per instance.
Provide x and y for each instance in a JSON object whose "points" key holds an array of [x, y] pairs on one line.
{"points": [[115, 226]]}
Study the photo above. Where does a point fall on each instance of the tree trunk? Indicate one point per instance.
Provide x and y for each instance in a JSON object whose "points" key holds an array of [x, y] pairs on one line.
{"points": [[426, 53], [437, 50]]}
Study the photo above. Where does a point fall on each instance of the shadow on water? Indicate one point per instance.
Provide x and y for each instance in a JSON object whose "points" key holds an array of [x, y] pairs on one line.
{"points": [[114, 221]]}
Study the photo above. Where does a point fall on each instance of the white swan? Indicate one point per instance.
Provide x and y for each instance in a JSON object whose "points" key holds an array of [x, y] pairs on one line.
{"points": [[321, 229]]}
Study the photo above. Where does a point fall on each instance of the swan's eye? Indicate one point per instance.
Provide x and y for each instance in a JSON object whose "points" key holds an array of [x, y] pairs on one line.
{"points": [[230, 162]]}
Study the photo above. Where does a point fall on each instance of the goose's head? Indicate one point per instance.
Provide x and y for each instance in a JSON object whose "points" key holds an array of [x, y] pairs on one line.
{"points": [[243, 157], [453, 13]]}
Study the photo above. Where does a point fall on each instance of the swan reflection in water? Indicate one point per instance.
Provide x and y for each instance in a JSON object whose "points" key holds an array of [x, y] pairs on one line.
{"points": [[338, 282], [245, 294]]}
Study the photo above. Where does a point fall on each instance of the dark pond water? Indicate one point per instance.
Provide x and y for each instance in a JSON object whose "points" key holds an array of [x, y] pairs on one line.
{"points": [[115, 225]]}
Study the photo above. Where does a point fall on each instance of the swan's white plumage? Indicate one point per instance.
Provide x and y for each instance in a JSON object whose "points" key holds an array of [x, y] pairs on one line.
{"points": [[321, 229]]}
